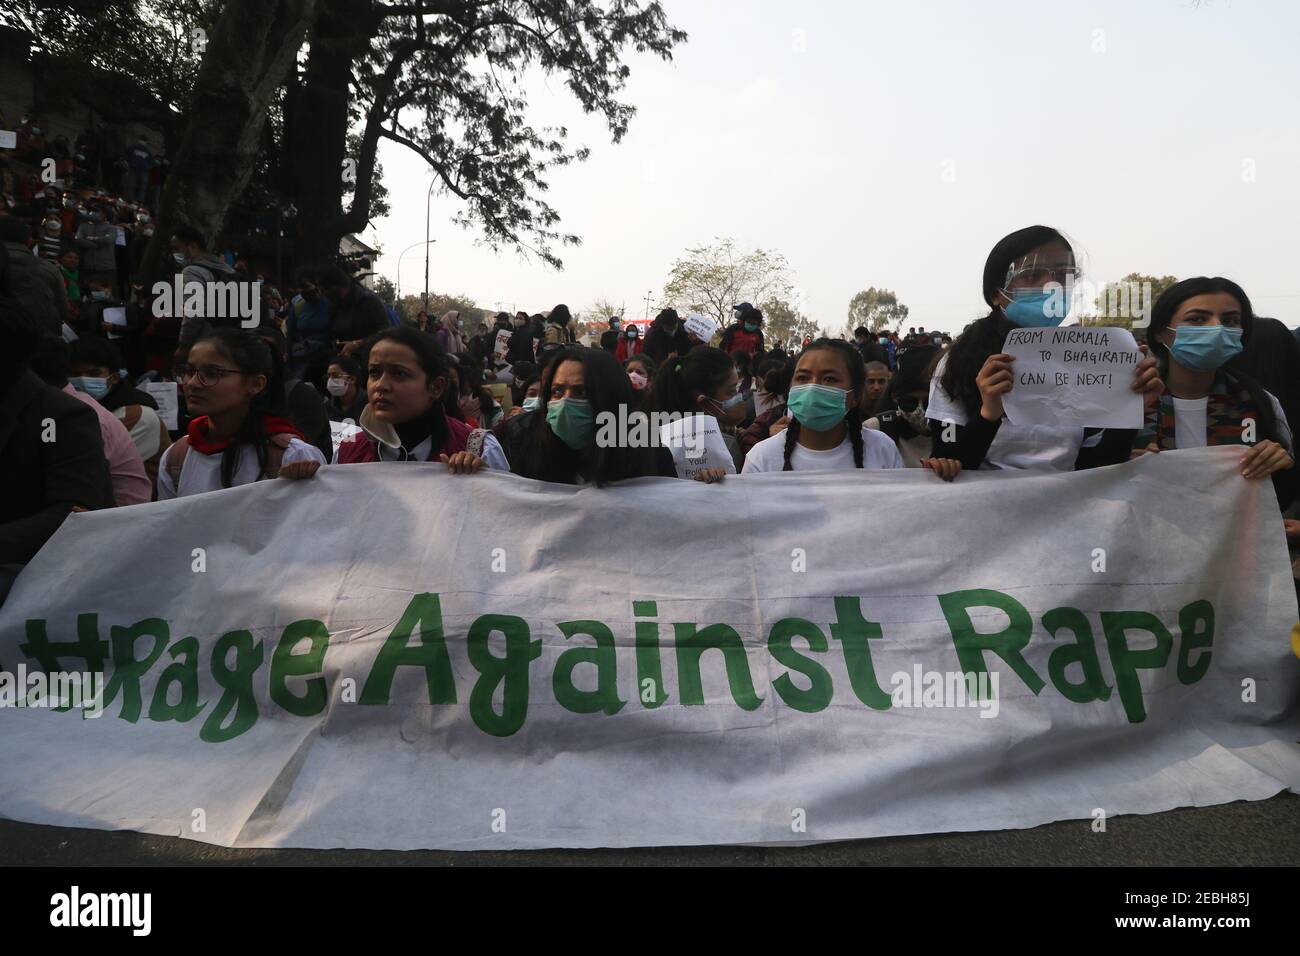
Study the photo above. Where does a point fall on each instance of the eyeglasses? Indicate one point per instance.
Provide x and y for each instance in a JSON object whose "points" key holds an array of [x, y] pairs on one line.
{"points": [[207, 374], [1038, 274]]}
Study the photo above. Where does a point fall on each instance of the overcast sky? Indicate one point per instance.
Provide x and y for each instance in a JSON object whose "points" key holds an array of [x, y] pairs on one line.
{"points": [[893, 143]]}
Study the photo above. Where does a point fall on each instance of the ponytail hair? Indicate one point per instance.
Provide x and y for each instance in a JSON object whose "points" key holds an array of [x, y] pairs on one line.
{"points": [[853, 417], [701, 371], [252, 356]]}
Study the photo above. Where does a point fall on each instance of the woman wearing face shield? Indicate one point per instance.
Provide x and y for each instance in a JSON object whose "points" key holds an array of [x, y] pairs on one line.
{"points": [[1028, 278], [1197, 327]]}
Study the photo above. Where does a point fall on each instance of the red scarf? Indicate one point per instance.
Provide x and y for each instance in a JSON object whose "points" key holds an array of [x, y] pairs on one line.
{"points": [[200, 442]]}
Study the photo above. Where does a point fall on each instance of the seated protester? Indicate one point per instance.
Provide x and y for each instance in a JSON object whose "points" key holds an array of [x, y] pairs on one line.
{"points": [[771, 416], [308, 330], [641, 371], [347, 394], [96, 369], [448, 334], [877, 382], [556, 330], [476, 402], [744, 370], [557, 440], [42, 481], [903, 417], [1197, 327], [629, 344], [302, 402], [234, 388], [526, 392], [869, 346], [826, 433], [1271, 356], [1028, 279], [704, 382], [405, 417], [125, 466], [667, 336]]}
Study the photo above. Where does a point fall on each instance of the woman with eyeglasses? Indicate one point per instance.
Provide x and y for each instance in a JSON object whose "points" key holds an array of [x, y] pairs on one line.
{"points": [[704, 382], [1197, 327], [238, 433], [1028, 279]]}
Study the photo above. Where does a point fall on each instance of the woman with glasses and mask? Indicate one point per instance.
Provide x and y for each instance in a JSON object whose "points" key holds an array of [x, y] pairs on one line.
{"points": [[238, 433], [1197, 327], [1028, 280]]}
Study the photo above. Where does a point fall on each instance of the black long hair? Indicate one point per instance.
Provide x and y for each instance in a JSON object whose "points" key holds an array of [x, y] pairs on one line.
{"points": [[853, 419], [1272, 358], [252, 355], [986, 335], [433, 361], [701, 371], [1162, 313], [607, 386]]}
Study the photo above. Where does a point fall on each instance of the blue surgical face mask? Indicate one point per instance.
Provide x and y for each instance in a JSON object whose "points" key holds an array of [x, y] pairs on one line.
{"points": [[96, 388], [1038, 308], [531, 402], [99, 296], [573, 421], [178, 258], [819, 407], [1205, 347]]}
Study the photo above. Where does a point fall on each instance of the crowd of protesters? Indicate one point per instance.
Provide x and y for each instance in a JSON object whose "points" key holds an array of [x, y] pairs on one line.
{"points": [[522, 394]]}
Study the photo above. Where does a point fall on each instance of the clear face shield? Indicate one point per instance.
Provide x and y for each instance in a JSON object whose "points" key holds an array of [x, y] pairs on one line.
{"points": [[1040, 286]]}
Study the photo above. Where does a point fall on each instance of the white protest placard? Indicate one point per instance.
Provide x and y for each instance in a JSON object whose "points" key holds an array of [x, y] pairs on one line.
{"points": [[696, 443], [701, 326], [8, 139], [116, 316], [1076, 376], [341, 432], [68, 334], [501, 346], [379, 686], [164, 393]]}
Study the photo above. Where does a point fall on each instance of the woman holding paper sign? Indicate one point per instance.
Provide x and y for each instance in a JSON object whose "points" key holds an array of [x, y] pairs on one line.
{"points": [[1197, 327], [826, 432], [1028, 278], [705, 382]]}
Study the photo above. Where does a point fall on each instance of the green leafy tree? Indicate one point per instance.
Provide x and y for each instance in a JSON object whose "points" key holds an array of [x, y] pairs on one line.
{"points": [[876, 309], [1126, 304], [712, 279], [785, 324]]}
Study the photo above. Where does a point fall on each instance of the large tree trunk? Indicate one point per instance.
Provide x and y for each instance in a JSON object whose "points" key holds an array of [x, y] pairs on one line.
{"points": [[316, 127], [252, 49]]}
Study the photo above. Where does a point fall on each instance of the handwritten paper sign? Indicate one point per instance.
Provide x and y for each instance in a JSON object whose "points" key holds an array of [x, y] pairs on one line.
{"points": [[501, 346], [1077, 376], [114, 315], [8, 139], [164, 393], [701, 326], [341, 432], [696, 443]]}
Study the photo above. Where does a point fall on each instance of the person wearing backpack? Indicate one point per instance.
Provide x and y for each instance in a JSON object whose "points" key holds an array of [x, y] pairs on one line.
{"points": [[234, 389], [198, 267]]}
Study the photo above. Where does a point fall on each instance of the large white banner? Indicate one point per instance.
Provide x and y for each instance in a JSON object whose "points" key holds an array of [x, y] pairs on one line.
{"points": [[387, 656]]}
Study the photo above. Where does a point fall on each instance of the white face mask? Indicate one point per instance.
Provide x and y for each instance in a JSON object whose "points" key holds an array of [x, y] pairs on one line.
{"points": [[337, 387]]}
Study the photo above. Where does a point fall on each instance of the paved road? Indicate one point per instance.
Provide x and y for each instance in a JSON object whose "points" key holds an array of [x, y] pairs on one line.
{"points": [[1262, 833]]}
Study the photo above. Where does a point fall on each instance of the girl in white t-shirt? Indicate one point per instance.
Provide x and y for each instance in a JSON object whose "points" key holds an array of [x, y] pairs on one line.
{"points": [[1197, 327], [1028, 278], [234, 388], [826, 431]]}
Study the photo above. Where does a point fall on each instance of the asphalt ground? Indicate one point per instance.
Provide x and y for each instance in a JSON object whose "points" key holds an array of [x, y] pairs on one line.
{"points": [[1258, 833]]}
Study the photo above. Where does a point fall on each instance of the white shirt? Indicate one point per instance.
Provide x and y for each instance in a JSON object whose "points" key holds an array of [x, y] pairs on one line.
{"points": [[147, 431], [878, 451], [1028, 447], [202, 472], [1191, 422]]}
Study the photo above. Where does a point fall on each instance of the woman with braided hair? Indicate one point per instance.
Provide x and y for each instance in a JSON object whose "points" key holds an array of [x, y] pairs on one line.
{"points": [[826, 432]]}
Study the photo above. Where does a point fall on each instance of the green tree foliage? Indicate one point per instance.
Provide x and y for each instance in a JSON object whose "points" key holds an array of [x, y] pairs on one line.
{"points": [[876, 309], [712, 279]]}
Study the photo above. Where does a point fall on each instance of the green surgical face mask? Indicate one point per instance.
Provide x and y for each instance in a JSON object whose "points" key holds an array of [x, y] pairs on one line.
{"points": [[573, 422], [819, 407]]}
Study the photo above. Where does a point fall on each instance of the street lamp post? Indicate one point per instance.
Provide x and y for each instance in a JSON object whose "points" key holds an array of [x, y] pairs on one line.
{"points": [[399, 267], [428, 201]]}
